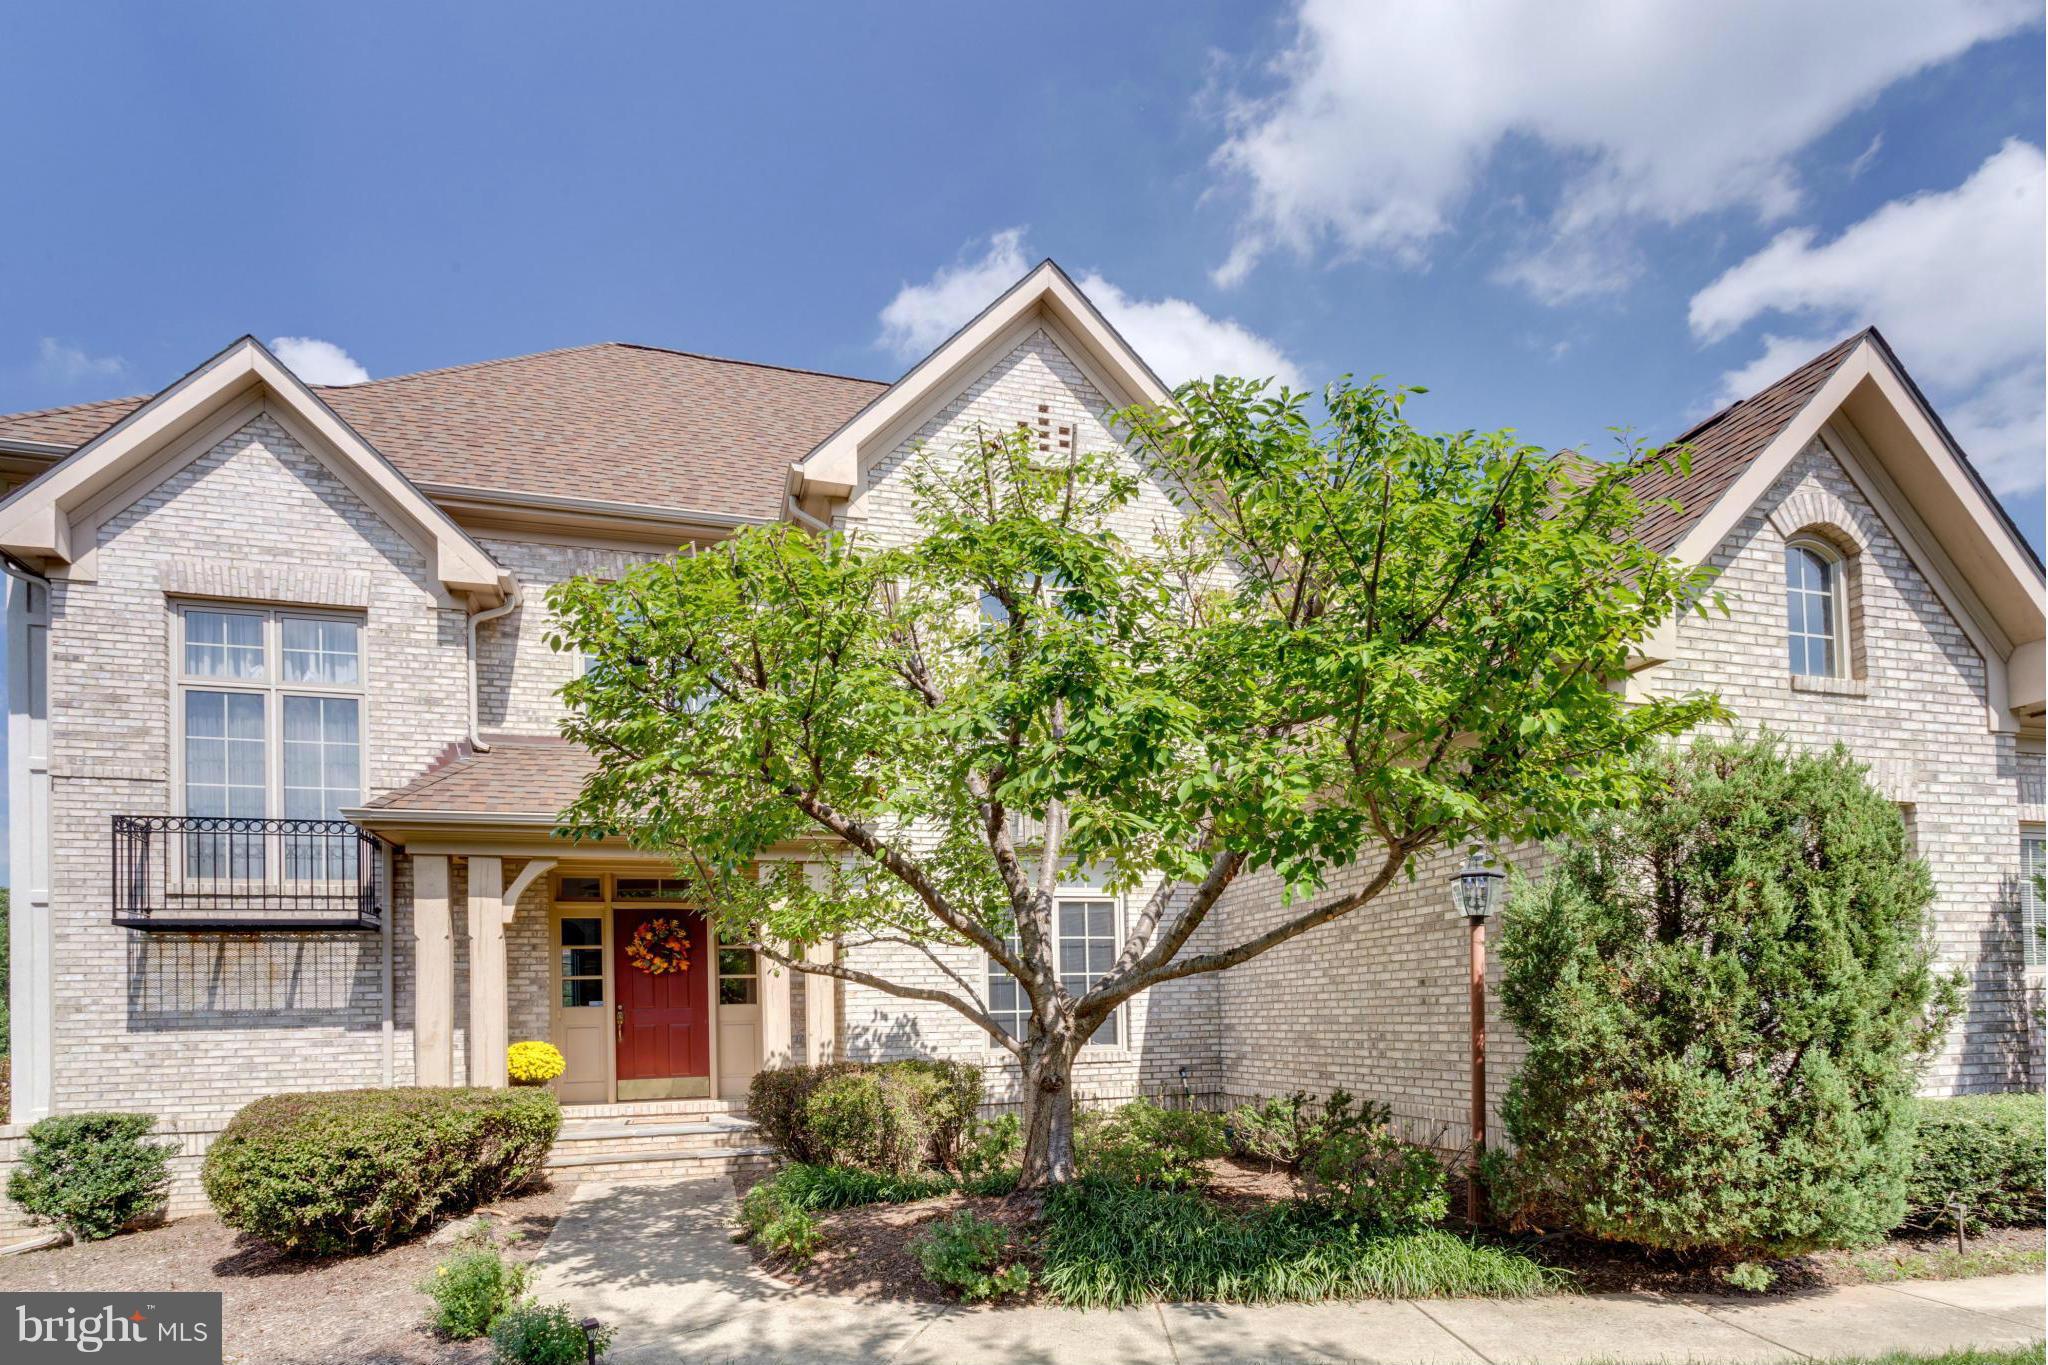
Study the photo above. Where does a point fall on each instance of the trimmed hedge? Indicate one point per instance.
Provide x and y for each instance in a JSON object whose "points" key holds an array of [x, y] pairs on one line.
{"points": [[354, 1170], [1987, 1150], [891, 1117], [92, 1173]]}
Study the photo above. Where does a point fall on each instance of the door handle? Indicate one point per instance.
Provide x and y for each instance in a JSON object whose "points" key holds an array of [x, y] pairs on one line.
{"points": [[619, 1016]]}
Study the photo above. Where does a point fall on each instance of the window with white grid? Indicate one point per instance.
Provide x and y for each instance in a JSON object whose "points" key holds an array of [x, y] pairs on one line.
{"points": [[1086, 926]]}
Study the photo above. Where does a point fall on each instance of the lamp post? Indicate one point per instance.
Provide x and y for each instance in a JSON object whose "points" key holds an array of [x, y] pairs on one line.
{"points": [[1476, 891]]}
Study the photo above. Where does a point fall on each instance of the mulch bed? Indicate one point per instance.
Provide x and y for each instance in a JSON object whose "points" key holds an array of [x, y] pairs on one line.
{"points": [[1602, 1267], [276, 1310], [868, 1256], [867, 1253]]}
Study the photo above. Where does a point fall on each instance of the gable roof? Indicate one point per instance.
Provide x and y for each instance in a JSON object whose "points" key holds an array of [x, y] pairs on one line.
{"points": [[635, 423], [1724, 444], [1046, 295], [37, 520]]}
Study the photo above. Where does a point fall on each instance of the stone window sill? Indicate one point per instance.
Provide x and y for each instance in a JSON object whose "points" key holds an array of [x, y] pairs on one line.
{"points": [[1833, 687]]}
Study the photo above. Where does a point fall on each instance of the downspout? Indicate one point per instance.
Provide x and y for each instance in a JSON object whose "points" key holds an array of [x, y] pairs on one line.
{"points": [[799, 514], [510, 604], [387, 867]]}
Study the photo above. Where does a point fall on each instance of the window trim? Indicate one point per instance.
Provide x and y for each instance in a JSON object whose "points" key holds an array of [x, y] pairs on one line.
{"points": [[2033, 950], [1838, 594], [271, 686], [1093, 1049]]}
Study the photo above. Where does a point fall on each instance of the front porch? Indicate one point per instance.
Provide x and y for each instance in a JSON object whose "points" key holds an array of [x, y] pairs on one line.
{"points": [[543, 955]]}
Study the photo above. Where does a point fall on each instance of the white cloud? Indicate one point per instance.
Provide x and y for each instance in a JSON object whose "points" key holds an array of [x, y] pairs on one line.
{"points": [[1387, 115], [317, 361], [59, 363], [1954, 279], [1177, 338]]}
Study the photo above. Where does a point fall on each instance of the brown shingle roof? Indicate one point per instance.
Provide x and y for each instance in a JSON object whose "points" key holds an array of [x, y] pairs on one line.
{"points": [[1724, 444], [518, 775], [614, 421]]}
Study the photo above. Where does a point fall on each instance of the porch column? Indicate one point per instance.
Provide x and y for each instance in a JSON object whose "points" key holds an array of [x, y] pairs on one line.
{"points": [[433, 998], [488, 993], [821, 1009], [774, 1011]]}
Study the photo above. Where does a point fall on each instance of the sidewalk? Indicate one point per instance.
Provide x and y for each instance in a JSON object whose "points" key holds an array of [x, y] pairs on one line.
{"points": [[657, 1261]]}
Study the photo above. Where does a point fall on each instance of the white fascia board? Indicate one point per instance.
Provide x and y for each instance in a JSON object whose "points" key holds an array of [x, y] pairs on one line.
{"points": [[834, 466], [35, 521]]}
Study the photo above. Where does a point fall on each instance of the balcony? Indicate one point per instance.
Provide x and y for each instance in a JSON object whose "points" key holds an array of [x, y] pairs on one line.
{"points": [[227, 874]]}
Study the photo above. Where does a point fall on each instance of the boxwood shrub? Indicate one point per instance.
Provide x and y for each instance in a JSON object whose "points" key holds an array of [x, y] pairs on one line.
{"points": [[353, 1170], [1988, 1151], [890, 1117], [91, 1173]]}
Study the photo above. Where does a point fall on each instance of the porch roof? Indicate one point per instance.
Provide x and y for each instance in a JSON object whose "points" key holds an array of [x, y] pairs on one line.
{"points": [[524, 779]]}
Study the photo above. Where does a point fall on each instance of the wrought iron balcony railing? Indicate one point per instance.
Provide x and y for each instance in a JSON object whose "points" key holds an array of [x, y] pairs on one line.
{"points": [[200, 873]]}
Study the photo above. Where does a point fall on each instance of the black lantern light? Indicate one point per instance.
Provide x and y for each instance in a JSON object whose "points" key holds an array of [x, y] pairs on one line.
{"points": [[1476, 888]]}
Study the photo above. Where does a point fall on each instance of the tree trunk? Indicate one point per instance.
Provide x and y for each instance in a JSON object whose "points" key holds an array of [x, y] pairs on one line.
{"points": [[1048, 1115]]}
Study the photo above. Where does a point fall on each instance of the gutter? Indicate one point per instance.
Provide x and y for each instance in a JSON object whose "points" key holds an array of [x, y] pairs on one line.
{"points": [[511, 603]]}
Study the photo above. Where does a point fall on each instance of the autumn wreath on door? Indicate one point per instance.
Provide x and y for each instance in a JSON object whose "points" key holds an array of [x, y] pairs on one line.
{"points": [[660, 947]]}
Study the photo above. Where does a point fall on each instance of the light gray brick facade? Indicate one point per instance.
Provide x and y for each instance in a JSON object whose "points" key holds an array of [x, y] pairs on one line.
{"points": [[192, 1027]]}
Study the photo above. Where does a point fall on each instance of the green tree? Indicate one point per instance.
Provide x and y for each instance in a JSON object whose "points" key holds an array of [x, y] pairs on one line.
{"points": [[1726, 993], [1361, 643]]}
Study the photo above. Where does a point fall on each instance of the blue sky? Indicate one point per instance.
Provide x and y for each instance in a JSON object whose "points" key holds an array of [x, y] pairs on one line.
{"points": [[1562, 218], [1562, 223]]}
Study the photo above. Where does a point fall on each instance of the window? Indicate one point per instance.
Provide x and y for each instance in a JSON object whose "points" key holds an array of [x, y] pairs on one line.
{"points": [[269, 709], [1814, 619], [2033, 911], [1086, 947], [738, 977], [582, 961]]}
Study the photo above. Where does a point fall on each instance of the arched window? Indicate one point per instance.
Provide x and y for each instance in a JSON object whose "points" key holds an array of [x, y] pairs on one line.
{"points": [[1815, 620]]}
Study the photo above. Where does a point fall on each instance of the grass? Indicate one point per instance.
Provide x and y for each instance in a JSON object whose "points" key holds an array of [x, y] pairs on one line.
{"points": [[1110, 1246], [1883, 1267], [2003, 1355]]}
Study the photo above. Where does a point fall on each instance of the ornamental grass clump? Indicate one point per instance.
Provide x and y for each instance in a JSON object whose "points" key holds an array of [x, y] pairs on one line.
{"points": [[1726, 994], [354, 1170], [1110, 1245]]}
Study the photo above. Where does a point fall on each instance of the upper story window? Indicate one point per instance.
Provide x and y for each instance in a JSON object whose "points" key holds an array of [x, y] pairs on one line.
{"points": [[1815, 619], [1087, 928], [269, 712]]}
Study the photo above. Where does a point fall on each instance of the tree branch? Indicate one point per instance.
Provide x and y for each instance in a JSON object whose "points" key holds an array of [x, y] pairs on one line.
{"points": [[859, 978]]}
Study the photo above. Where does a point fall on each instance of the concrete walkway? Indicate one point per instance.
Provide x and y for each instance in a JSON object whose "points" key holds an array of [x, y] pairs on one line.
{"points": [[657, 1261]]}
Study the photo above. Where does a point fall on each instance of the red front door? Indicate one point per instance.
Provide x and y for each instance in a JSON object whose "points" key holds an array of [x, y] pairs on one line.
{"points": [[664, 1022]]}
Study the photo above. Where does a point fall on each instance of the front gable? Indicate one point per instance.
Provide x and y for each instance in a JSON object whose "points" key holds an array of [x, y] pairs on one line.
{"points": [[55, 519], [1044, 303], [1893, 476]]}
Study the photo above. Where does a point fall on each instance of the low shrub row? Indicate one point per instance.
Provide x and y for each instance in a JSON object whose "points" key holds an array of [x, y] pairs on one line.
{"points": [[1982, 1154], [353, 1170], [892, 1117]]}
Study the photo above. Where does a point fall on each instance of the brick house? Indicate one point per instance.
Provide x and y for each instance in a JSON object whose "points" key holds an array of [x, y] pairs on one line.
{"points": [[281, 711]]}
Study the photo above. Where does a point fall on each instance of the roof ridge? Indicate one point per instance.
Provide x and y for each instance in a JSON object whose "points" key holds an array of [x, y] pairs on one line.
{"points": [[466, 365], [753, 364]]}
